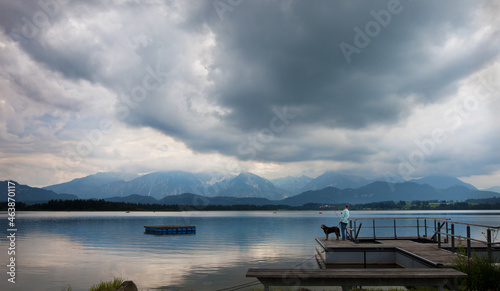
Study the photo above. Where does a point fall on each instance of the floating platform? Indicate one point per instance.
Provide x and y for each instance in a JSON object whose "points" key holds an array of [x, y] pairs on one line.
{"points": [[170, 229]]}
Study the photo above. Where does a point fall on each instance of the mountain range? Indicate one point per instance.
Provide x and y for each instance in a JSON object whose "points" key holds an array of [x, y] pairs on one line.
{"points": [[384, 191], [331, 187], [156, 184], [162, 184], [373, 192]]}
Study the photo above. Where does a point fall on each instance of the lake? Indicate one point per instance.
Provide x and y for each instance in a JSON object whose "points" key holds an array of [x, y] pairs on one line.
{"points": [[78, 249]]}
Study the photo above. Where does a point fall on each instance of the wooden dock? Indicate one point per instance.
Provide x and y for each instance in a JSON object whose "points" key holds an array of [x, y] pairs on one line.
{"points": [[406, 251], [169, 229]]}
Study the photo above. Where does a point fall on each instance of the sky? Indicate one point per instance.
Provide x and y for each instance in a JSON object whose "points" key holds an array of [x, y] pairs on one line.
{"points": [[373, 88]]}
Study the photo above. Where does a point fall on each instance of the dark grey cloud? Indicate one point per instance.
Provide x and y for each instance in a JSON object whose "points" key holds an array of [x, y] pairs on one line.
{"points": [[269, 81], [272, 55]]}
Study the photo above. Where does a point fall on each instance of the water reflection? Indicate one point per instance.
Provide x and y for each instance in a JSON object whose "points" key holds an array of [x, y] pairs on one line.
{"points": [[80, 249]]}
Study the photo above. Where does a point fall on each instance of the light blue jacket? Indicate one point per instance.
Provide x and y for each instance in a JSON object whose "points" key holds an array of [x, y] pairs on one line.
{"points": [[345, 216]]}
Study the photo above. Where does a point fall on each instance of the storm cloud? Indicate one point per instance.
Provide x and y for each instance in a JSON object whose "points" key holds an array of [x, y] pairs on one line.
{"points": [[370, 87]]}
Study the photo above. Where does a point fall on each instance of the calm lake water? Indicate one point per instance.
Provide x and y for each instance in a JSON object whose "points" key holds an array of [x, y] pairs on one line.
{"points": [[78, 249]]}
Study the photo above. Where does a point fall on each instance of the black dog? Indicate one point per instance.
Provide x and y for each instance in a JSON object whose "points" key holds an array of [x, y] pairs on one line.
{"points": [[329, 230]]}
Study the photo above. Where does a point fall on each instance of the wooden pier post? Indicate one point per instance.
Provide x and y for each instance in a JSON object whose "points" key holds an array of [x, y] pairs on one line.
{"points": [[425, 227], [364, 259], [374, 236], [395, 235], [418, 229], [488, 240], [452, 237], [435, 228], [439, 237], [355, 231], [468, 242], [350, 230], [447, 232]]}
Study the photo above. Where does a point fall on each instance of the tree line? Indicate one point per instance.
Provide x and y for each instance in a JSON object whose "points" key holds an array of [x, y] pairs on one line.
{"points": [[102, 205]]}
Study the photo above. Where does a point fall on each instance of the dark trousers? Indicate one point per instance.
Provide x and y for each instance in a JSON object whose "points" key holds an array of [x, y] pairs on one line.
{"points": [[342, 229]]}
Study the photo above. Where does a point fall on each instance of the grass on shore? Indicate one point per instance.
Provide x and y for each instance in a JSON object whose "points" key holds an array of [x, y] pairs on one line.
{"points": [[107, 286], [102, 286], [484, 272]]}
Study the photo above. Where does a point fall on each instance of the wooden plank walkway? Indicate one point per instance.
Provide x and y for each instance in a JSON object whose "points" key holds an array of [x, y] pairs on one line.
{"points": [[355, 277]]}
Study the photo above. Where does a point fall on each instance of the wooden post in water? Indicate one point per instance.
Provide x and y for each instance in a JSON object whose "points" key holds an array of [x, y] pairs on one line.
{"points": [[468, 242], [425, 227], [452, 237]]}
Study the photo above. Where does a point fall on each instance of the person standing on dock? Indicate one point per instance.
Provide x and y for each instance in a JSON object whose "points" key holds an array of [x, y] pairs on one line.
{"points": [[343, 220]]}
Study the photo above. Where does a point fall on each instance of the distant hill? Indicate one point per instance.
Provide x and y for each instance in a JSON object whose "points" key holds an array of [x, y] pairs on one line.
{"points": [[337, 180], [374, 192], [442, 182], [484, 200], [410, 191], [251, 185], [328, 195], [134, 198], [383, 191], [32, 195], [292, 184], [193, 200], [493, 189]]}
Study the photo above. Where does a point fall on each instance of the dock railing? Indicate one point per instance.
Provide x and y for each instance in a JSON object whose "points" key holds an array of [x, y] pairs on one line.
{"points": [[489, 233], [421, 226], [443, 231]]}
